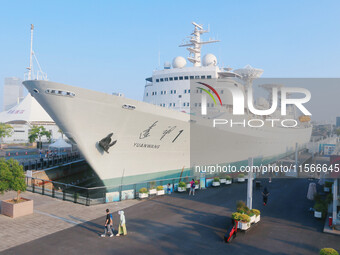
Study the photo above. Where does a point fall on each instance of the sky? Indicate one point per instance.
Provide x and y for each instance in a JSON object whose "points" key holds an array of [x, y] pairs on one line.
{"points": [[112, 46]]}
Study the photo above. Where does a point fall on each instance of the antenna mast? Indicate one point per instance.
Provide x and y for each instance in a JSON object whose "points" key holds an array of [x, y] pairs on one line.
{"points": [[31, 55], [30, 74], [195, 43]]}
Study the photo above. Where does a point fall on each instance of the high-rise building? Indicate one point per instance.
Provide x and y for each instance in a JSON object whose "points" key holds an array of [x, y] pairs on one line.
{"points": [[13, 92], [337, 121]]}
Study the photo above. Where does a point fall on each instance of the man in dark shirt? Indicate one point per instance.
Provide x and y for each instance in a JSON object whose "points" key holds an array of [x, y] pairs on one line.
{"points": [[107, 224]]}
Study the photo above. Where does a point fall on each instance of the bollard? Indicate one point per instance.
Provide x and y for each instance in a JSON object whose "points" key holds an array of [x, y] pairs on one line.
{"points": [[64, 193], [135, 190], [53, 192], [87, 198], [43, 188]]}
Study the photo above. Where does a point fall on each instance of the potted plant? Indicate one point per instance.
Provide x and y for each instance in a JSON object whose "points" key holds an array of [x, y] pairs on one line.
{"points": [[216, 182], [160, 190], [252, 216], [143, 193], [257, 215], [327, 187], [152, 190], [196, 184], [320, 209], [328, 251], [181, 187], [244, 222], [240, 178], [12, 177], [228, 180], [223, 179]]}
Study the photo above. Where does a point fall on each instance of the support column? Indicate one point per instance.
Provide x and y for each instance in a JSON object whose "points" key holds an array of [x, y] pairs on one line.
{"points": [[250, 185], [335, 201]]}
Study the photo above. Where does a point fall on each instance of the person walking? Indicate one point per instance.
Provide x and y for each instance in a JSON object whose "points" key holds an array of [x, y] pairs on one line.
{"points": [[169, 188], [192, 187], [265, 195], [107, 224], [122, 226]]}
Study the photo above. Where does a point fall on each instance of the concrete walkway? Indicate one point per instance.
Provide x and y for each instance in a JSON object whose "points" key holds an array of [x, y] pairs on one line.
{"points": [[50, 216], [179, 224]]}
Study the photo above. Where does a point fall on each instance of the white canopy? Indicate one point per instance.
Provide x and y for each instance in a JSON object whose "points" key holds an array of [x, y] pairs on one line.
{"points": [[28, 111], [60, 143]]}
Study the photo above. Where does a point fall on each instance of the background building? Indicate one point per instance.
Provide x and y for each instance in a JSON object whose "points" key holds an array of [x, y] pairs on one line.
{"points": [[337, 122], [23, 116], [13, 92]]}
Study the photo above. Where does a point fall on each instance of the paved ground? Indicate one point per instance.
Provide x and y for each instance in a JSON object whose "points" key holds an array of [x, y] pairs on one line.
{"points": [[50, 215], [179, 224]]}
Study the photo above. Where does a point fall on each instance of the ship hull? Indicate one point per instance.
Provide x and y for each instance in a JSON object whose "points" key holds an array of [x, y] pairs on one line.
{"points": [[152, 142]]}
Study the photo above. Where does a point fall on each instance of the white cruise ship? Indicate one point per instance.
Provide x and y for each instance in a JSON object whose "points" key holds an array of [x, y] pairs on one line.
{"points": [[130, 141]]}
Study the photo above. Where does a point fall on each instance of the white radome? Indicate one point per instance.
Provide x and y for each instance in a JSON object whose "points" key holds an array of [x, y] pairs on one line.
{"points": [[167, 65], [209, 60], [179, 62]]}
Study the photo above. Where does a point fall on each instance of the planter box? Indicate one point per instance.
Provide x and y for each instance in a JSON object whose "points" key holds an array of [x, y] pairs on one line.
{"points": [[188, 185], [152, 191], [143, 195], [181, 189], [228, 182], [317, 214], [252, 219], [257, 218], [326, 189], [243, 225], [216, 184], [223, 180], [16, 210], [241, 179], [197, 186], [160, 192]]}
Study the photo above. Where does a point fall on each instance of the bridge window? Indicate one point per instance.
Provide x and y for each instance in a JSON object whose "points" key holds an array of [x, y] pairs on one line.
{"points": [[166, 79], [209, 77], [171, 78], [181, 78], [197, 77], [222, 91], [203, 77], [176, 78], [147, 94], [186, 77], [185, 91], [157, 80], [188, 104], [162, 80], [191, 77]]}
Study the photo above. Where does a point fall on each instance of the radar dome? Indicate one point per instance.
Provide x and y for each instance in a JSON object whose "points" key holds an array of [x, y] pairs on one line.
{"points": [[209, 60], [179, 62], [167, 65]]}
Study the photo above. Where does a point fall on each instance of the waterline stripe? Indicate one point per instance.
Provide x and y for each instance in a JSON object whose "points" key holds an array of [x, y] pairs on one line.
{"points": [[57, 217]]}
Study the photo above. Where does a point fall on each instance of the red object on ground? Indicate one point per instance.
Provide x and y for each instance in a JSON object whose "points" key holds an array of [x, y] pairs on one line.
{"points": [[330, 221], [26, 152], [9, 154], [17, 153]]}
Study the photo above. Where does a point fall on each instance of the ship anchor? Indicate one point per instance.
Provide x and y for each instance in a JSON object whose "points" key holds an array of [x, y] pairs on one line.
{"points": [[105, 143]]}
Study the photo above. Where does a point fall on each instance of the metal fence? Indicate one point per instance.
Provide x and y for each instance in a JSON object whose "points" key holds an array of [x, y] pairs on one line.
{"points": [[43, 163], [100, 195]]}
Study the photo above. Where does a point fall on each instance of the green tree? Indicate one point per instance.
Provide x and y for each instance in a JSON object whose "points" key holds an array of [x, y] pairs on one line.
{"points": [[6, 130], [337, 131], [37, 132], [5, 176], [12, 176], [62, 133]]}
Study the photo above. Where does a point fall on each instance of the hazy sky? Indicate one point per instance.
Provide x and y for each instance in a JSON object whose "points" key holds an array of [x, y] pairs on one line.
{"points": [[112, 46]]}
